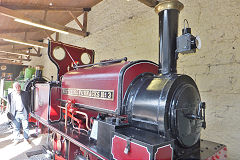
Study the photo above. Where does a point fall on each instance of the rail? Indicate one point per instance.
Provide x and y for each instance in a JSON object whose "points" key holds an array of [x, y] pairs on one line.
{"points": [[103, 63]]}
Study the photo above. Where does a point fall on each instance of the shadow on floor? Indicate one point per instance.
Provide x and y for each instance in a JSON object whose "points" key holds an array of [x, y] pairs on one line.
{"points": [[5, 143], [34, 147]]}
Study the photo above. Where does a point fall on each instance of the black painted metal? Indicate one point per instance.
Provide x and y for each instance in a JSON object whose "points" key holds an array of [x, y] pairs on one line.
{"points": [[162, 105], [29, 86], [38, 74], [104, 137], [120, 83], [168, 30]]}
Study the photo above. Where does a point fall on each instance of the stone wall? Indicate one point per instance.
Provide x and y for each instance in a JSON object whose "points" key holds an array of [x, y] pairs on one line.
{"points": [[128, 28]]}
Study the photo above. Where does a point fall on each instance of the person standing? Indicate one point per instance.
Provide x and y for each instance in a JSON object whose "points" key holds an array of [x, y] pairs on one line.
{"points": [[18, 102]]}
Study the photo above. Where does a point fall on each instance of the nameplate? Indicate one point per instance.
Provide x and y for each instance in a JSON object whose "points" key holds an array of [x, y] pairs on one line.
{"points": [[89, 93]]}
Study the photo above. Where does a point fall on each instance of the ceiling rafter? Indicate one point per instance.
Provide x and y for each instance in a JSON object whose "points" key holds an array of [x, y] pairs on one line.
{"points": [[45, 15], [37, 51], [27, 42], [25, 35], [85, 17], [6, 55], [39, 23], [85, 14], [15, 47], [76, 20], [48, 35], [11, 62], [19, 30], [57, 36], [14, 58], [4, 44], [14, 52]]}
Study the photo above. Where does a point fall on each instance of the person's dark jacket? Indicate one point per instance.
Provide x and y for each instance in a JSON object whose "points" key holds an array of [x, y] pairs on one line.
{"points": [[25, 100]]}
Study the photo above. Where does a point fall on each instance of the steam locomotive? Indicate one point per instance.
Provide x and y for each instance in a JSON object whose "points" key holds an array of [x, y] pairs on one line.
{"points": [[119, 109]]}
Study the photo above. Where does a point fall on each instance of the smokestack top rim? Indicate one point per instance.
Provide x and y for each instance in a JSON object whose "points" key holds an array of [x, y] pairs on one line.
{"points": [[168, 4]]}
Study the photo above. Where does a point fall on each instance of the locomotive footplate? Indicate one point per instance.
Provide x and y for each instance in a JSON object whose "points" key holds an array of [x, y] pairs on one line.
{"points": [[128, 143], [80, 139], [209, 151]]}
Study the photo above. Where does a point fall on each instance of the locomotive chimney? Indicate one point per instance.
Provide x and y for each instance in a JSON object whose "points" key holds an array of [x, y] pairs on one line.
{"points": [[168, 11]]}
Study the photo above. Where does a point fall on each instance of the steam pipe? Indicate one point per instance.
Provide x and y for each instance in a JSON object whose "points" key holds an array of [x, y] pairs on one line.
{"points": [[168, 11]]}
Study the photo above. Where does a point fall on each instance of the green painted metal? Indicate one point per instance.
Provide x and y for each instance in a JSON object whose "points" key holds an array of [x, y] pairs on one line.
{"points": [[29, 72], [8, 84]]}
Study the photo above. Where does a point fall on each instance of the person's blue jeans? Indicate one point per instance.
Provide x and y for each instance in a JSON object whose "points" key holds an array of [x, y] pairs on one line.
{"points": [[19, 118]]}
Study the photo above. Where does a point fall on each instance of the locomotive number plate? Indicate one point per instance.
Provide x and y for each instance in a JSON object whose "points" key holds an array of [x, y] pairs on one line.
{"points": [[89, 93]]}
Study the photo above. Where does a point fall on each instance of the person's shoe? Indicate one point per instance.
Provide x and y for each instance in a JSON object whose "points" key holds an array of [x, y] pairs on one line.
{"points": [[15, 142], [28, 141]]}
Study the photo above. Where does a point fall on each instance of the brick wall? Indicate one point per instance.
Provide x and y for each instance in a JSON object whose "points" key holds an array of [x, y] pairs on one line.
{"points": [[119, 28]]}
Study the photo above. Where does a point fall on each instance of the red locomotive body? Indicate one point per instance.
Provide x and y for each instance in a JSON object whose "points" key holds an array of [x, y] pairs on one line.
{"points": [[102, 88], [46, 102], [118, 109]]}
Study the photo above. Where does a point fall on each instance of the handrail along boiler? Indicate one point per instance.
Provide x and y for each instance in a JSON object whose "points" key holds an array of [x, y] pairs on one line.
{"points": [[118, 109]]}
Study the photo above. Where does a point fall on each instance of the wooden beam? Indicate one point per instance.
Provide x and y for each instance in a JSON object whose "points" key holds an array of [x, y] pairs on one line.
{"points": [[85, 21], [14, 52], [2, 58], [5, 36], [38, 52], [19, 48], [21, 59], [6, 55], [45, 15], [15, 47], [35, 49], [30, 7], [4, 44], [49, 36], [19, 30], [14, 59], [2, 55], [16, 15], [25, 35], [76, 20], [57, 36], [10, 62], [9, 45]]}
